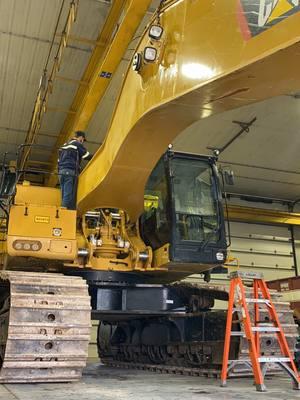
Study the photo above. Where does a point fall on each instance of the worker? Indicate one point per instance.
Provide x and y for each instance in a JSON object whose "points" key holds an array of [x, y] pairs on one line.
{"points": [[70, 156]]}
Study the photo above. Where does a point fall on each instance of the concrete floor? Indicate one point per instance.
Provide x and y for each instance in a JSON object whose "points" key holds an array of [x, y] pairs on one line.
{"points": [[103, 383]]}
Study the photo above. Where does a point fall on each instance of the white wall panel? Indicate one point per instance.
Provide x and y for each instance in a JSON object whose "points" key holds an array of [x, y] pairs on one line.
{"points": [[263, 248]]}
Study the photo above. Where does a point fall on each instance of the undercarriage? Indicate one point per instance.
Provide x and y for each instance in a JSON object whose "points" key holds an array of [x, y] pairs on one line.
{"points": [[45, 327], [187, 340]]}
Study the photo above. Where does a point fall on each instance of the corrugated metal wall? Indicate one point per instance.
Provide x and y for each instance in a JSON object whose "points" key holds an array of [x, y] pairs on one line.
{"points": [[264, 248], [260, 248]]}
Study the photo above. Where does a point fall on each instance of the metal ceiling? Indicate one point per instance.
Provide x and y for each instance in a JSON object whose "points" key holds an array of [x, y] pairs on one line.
{"points": [[26, 31], [265, 159]]}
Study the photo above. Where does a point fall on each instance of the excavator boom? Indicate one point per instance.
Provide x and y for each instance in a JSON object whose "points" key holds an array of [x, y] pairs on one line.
{"points": [[213, 56]]}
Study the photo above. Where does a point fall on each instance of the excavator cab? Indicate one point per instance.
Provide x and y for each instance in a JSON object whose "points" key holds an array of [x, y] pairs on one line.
{"points": [[183, 218], [183, 209]]}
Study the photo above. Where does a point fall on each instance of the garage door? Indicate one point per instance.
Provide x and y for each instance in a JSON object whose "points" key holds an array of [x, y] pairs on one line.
{"points": [[263, 248]]}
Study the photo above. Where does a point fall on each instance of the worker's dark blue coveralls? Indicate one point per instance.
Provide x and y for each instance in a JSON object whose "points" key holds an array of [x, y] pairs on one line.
{"points": [[70, 156]]}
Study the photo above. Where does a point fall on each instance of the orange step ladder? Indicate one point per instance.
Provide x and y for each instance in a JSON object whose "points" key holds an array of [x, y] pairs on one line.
{"points": [[239, 301]]}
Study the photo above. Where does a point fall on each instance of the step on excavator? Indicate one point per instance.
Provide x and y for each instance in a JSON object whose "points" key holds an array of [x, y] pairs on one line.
{"points": [[145, 219]]}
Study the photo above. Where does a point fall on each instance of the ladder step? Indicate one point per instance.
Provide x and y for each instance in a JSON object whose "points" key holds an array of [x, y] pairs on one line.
{"points": [[273, 359], [256, 329], [238, 308], [271, 322], [265, 329], [246, 275], [261, 301], [262, 360]]}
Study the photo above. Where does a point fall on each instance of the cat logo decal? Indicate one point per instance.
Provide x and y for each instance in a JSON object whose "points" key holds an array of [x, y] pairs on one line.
{"points": [[256, 16]]}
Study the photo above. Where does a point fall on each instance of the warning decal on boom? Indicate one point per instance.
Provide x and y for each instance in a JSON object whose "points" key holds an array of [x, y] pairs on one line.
{"points": [[257, 16]]}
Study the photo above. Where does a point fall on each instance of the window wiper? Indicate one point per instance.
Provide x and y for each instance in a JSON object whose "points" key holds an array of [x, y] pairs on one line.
{"points": [[209, 236], [208, 225]]}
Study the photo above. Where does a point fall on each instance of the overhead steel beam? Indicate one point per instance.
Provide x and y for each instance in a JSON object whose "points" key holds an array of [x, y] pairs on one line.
{"points": [[79, 39], [34, 162], [70, 80], [262, 215], [24, 131], [58, 109], [104, 59], [46, 41]]}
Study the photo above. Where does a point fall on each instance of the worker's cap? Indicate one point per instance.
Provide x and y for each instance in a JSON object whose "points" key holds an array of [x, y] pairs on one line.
{"points": [[80, 134]]}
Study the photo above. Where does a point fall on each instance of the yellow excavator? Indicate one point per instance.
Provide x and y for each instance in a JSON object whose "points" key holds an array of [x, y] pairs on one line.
{"points": [[145, 218]]}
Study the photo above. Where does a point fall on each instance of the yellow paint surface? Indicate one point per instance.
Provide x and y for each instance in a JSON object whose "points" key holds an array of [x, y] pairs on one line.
{"points": [[205, 66], [282, 7]]}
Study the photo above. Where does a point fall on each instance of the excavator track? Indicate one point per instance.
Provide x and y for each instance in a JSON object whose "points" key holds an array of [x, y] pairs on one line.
{"points": [[205, 358], [167, 369], [44, 327]]}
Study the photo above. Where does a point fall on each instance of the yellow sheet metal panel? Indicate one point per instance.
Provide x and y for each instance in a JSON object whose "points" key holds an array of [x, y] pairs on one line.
{"points": [[28, 194], [52, 232], [211, 59], [41, 222], [259, 215], [50, 249]]}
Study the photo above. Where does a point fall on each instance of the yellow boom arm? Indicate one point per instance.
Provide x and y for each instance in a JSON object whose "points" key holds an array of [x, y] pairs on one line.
{"points": [[214, 55]]}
